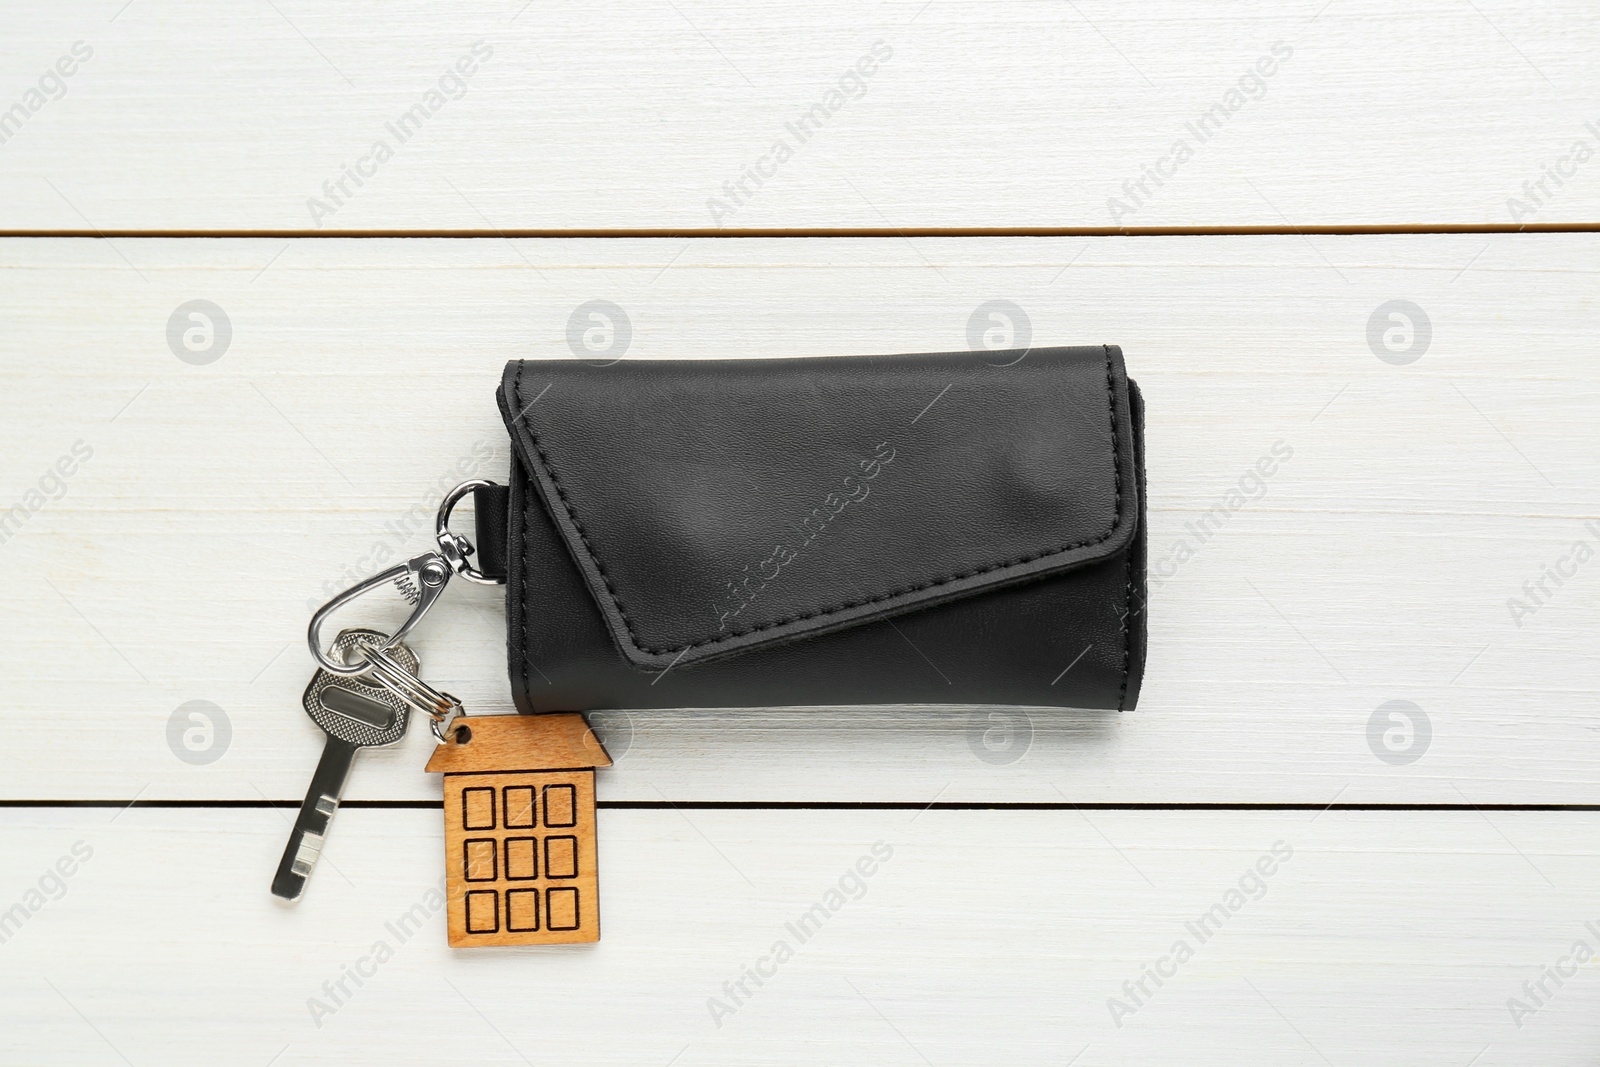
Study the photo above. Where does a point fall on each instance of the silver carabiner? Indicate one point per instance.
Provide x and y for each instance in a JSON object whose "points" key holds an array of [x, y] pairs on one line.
{"points": [[419, 580]]}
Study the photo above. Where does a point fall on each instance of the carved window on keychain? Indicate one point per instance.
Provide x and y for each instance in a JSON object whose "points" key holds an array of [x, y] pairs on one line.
{"points": [[517, 880]]}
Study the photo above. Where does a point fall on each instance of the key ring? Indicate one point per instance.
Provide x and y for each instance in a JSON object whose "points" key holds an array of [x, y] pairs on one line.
{"points": [[420, 580], [442, 709]]}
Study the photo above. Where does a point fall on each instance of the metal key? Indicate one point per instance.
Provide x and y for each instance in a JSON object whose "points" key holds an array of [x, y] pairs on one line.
{"points": [[355, 712]]}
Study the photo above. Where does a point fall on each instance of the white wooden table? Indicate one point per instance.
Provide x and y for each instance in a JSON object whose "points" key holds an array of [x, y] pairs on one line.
{"points": [[1358, 791]]}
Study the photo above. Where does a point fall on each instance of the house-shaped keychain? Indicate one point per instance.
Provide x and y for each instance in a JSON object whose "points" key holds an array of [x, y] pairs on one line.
{"points": [[519, 829]]}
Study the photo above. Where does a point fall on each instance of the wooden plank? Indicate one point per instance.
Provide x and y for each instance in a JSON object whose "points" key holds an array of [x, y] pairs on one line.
{"points": [[179, 562], [560, 116], [1371, 938]]}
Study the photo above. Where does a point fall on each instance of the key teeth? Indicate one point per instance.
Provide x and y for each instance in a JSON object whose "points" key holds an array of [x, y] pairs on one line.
{"points": [[306, 858]]}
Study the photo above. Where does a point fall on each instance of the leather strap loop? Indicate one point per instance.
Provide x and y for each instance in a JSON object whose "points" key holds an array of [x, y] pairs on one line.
{"points": [[492, 505]]}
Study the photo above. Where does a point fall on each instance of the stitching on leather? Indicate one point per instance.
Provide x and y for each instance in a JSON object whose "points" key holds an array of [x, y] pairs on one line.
{"points": [[583, 535], [1127, 589], [633, 636], [523, 652], [1127, 634]]}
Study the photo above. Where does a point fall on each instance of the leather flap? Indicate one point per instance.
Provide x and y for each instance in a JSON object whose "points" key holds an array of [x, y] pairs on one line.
{"points": [[715, 506]]}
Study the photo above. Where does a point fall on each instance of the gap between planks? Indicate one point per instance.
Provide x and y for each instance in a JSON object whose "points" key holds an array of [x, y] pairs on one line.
{"points": [[835, 805], [866, 231]]}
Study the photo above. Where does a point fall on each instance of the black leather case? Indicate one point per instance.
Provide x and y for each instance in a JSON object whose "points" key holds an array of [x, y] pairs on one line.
{"points": [[951, 528]]}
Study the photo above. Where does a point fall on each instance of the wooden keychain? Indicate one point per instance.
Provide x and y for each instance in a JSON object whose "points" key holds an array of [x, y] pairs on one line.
{"points": [[519, 829]]}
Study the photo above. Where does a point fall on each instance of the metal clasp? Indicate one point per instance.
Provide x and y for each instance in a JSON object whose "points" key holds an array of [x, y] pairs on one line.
{"points": [[419, 580], [452, 546]]}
